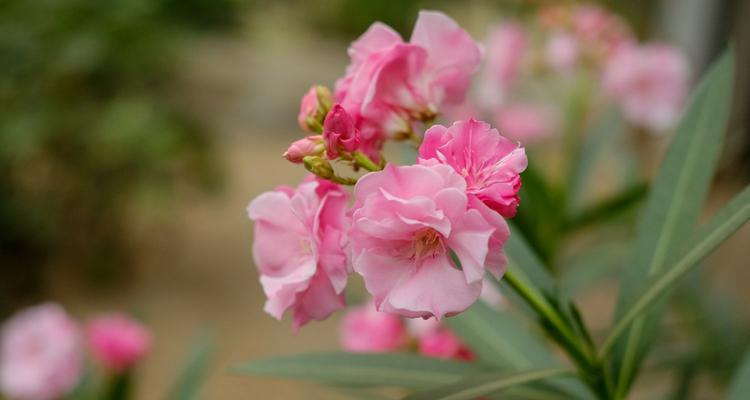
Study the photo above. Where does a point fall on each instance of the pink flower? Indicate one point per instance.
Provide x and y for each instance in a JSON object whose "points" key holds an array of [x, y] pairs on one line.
{"points": [[443, 343], [407, 224], [390, 83], [117, 341], [308, 146], [526, 123], [40, 354], [300, 236], [339, 132], [364, 329], [561, 52], [490, 163], [602, 31], [506, 46], [435, 340], [649, 82], [313, 108]]}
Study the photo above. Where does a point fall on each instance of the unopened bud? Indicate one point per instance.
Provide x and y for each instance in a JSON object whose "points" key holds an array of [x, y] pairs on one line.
{"points": [[313, 109], [319, 166], [308, 146]]}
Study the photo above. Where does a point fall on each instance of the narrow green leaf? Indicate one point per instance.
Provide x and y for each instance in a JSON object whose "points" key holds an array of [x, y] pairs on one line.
{"points": [[189, 381], [387, 370], [740, 385], [727, 221], [521, 255], [674, 205], [499, 339], [477, 386], [608, 209], [599, 136]]}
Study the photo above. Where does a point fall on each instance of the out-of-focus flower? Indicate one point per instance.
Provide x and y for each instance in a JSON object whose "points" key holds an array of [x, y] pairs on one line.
{"points": [[525, 122], [649, 82], [505, 49], [436, 340], [339, 132], [314, 107], [364, 329], [117, 341], [300, 237], [561, 52], [40, 354], [390, 83], [408, 223], [308, 146], [443, 343], [490, 163]]}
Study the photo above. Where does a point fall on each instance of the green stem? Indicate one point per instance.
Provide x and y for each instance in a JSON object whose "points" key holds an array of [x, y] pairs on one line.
{"points": [[365, 162]]}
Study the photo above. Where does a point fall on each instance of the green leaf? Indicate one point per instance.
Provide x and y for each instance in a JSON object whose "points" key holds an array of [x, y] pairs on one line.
{"points": [[609, 208], [727, 221], [477, 386], [521, 256], [499, 339], [674, 205], [740, 385], [189, 381], [601, 134], [388, 370]]}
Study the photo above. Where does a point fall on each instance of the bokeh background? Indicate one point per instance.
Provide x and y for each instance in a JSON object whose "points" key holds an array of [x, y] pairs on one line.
{"points": [[134, 132]]}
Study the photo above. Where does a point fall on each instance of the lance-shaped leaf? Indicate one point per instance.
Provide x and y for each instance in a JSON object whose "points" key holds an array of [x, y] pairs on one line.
{"points": [[727, 221], [374, 370], [189, 381], [740, 386], [673, 207], [477, 386]]}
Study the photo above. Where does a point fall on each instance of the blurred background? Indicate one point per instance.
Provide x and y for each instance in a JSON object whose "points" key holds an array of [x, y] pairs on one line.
{"points": [[133, 133]]}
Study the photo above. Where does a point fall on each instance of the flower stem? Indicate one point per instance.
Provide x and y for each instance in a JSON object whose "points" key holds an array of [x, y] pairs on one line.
{"points": [[365, 162]]}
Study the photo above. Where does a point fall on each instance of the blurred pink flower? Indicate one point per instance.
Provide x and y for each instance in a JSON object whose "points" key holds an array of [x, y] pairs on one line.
{"points": [[561, 52], [525, 122], [442, 343], [117, 341], [364, 329], [391, 83], [407, 222], [40, 354], [339, 132], [505, 49], [490, 163], [307, 146], [650, 84], [300, 236]]}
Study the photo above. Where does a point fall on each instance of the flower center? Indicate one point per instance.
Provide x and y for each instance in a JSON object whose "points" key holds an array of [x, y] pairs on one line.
{"points": [[428, 243]]}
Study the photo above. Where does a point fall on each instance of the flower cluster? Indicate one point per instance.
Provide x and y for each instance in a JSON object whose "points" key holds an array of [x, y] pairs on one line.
{"points": [[42, 350], [422, 236], [575, 43]]}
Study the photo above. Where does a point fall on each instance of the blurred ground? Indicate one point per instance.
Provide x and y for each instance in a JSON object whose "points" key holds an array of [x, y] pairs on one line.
{"points": [[197, 274]]}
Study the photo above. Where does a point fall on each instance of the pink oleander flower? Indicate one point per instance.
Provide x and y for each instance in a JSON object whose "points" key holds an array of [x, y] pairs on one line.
{"points": [[308, 146], [407, 224], [561, 52], [391, 83], [490, 163], [40, 354], [505, 50], [365, 329], [435, 340], [602, 31], [300, 237], [339, 132], [313, 108], [524, 122], [443, 343], [117, 341], [650, 84]]}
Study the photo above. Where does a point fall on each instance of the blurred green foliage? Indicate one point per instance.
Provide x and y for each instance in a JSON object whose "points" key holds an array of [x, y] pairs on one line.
{"points": [[89, 120]]}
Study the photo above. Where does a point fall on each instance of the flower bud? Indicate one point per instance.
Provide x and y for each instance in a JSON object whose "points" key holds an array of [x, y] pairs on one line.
{"points": [[318, 166], [308, 146], [339, 132], [314, 107]]}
